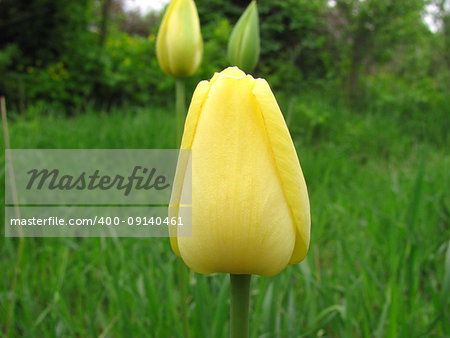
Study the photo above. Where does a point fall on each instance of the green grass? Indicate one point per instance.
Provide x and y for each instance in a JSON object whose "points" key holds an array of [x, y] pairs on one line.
{"points": [[379, 188]]}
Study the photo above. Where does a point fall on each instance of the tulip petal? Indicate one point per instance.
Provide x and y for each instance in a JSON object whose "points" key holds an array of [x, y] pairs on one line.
{"points": [[288, 167], [161, 46], [185, 37], [249, 53], [198, 99], [230, 71], [179, 44], [241, 221], [244, 42]]}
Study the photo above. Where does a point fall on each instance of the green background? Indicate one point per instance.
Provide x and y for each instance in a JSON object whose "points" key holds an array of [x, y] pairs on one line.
{"points": [[364, 87]]}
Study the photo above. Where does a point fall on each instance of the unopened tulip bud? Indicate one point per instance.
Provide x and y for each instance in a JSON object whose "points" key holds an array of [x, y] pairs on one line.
{"points": [[179, 45], [244, 44], [250, 206]]}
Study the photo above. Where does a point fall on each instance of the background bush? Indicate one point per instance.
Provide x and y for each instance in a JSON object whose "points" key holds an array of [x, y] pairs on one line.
{"points": [[366, 53]]}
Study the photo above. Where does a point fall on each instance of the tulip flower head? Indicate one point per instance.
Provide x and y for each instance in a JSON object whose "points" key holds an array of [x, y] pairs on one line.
{"points": [[250, 206], [179, 45], [244, 43]]}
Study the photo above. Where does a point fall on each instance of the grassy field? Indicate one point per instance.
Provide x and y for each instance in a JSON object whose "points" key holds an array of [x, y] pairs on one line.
{"points": [[378, 266]]}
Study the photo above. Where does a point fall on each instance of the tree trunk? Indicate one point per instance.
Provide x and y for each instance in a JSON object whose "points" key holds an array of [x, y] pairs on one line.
{"points": [[106, 10], [446, 31]]}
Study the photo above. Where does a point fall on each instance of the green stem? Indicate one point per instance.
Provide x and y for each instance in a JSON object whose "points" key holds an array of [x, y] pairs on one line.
{"points": [[180, 102], [180, 92], [240, 300], [183, 294]]}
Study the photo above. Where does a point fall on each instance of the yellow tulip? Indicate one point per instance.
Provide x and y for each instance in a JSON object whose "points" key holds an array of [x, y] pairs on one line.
{"points": [[179, 44], [250, 206]]}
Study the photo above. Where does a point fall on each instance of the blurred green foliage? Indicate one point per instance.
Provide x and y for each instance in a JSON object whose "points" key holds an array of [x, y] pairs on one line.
{"points": [[373, 52]]}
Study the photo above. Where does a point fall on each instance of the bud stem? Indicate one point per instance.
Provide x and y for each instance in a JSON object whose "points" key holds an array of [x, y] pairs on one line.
{"points": [[180, 93], [240, 300], [183, 295]]}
